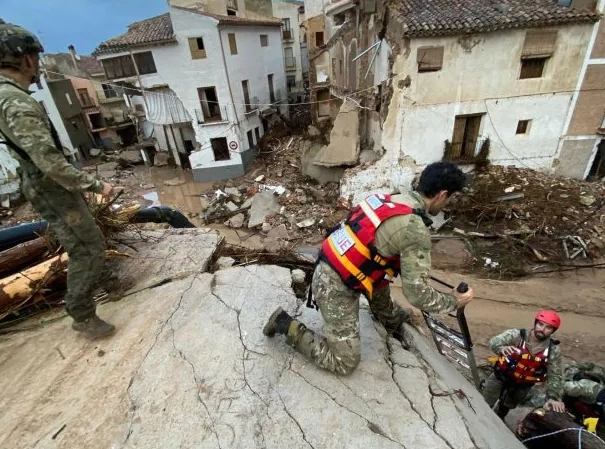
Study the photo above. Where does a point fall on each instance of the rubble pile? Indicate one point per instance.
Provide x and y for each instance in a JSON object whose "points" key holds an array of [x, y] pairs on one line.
{"points": [[276, 198], [539, 216]]}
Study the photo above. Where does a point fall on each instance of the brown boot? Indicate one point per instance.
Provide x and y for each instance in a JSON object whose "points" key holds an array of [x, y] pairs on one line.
{"points": [[278, 323], [93, 328]]}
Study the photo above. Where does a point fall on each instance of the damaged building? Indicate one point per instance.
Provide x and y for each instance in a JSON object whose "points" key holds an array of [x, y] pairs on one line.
{"points": [[209, 82], [455, 80]]}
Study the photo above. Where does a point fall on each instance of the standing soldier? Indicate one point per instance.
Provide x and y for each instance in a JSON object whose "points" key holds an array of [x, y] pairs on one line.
{"points": [[52, 185], [527, 357], [383, 236]]}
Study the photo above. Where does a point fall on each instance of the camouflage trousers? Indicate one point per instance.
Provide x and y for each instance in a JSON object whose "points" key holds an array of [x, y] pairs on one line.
{"points": [[493, 388], [339, 350], [71, 221]]}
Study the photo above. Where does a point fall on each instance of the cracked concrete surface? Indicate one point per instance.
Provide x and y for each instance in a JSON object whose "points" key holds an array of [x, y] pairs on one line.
{"points": [[190, 368]]}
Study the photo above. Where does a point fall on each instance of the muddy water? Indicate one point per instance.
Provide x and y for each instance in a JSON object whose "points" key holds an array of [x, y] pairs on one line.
{"points": [[186, 198]]}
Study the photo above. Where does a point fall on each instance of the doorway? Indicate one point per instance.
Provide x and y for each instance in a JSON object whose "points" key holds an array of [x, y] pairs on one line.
{"points": [[597, 171]]}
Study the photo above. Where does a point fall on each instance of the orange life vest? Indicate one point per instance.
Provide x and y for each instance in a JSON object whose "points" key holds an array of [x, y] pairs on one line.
{"points": [[525, 368], [350, 249]]}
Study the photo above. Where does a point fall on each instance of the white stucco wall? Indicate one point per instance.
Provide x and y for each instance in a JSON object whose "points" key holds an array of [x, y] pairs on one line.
{"points": [[286, 9], [480, 75], [184, 75]]}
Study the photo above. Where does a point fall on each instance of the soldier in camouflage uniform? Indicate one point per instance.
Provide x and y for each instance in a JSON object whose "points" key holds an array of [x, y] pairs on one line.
{"points": [[404, 238], [52, 185], [514, 377]]}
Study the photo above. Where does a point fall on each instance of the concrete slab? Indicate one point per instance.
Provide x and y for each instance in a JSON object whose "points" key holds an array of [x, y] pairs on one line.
{"points": [[189, 367], [344, 139]]}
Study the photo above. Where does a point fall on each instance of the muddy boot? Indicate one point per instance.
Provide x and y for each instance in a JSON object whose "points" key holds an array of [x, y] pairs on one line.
{"points": [[278, 323], [93, 328], [400, 316]]}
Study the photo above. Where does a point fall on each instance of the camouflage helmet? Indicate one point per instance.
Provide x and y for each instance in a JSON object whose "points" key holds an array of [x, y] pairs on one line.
{"points": [[15, 42]]}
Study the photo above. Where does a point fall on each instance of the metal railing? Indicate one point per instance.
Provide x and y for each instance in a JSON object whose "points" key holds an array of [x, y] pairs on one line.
{"points": [[287, 35], [290, 62]]}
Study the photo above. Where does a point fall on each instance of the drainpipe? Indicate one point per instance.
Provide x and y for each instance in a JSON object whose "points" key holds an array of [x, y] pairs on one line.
{"points": [[220, 38]]}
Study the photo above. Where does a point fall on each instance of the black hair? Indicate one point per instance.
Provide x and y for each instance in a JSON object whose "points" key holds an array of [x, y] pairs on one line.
{"points": [[438, 176]]}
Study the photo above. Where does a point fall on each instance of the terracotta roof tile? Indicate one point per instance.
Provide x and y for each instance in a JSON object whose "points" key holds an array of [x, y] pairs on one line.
{"points": [[446, 17], [90, 65], [235, 20], [157, 29]]}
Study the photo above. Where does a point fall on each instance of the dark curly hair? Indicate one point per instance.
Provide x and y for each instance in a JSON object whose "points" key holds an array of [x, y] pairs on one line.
{"points": [[438, 176]]}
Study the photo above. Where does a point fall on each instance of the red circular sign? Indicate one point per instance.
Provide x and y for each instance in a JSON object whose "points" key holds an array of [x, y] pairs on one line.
{"points": [[233, 145]]}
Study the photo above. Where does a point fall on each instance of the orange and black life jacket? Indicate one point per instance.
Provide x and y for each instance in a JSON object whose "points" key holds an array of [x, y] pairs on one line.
{"points": [[350, 249], [525, 368]]}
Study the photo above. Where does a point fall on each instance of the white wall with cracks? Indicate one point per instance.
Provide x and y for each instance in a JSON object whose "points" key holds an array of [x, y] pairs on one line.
{"points": [[190, 367]]}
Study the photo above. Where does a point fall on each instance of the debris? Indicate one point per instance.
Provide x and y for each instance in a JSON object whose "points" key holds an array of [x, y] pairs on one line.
{"points": [[313, 131], [246, 204], [130, 157], [439, 221], [368, 157], [278, 190], [161, 158], [237, 221], [232, 206], [263, 205], [107, 167], [175, 182], [512, 196], [510, 189], [344, 139], [94, 152], [101, 353], [232, 191], [225, 262], [298, 276], [278, 232], [266, 227], [587, 200], [491, 263], [219, 193], [306, 223], [56, 434], [260, 178], [148, 186]]}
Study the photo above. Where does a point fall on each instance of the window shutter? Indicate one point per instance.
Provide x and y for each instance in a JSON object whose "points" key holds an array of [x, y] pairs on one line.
{"points": [[429, 58], [539, 43]]}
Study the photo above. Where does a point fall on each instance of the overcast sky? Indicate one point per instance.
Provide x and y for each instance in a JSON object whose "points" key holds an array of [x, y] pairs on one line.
{"points": [[83, 23]]}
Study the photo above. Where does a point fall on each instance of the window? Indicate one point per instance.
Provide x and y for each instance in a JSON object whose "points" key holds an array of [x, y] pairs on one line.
{"points": [[220, 149], [539, 45], [339, 19], [257, 132], [68, 98], [319, 38], [340, 65], [211, 110], [532, 68], [109, 91], [271, 92], [286, 24], [250, 140], [465, 137], [232, 44], [246, 96], [289, 60], [429, 59], [523, 126], [291, 83], [323, 107], [96, 121], [231, 12], [264, 40], [145, 62], [85, 98], [120, 67], [196, 46]]}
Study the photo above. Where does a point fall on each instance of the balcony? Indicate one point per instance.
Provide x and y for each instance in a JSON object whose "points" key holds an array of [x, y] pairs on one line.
{"points": [[290, 63], [287, 35]]}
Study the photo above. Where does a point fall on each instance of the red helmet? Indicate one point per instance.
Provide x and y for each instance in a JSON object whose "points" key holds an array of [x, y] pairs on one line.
{"points": [[549, 317]]}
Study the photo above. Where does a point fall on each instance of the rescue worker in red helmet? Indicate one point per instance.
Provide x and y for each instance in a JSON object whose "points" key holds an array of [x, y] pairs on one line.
{"points": [[527, 357]]}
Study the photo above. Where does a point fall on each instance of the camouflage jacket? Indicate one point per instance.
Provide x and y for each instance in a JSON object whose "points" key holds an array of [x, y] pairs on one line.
{"points": [[512, 337], [407, 236], [24, 122]]}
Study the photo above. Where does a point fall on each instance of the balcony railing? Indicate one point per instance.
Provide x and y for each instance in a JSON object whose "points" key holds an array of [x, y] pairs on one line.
{"points": [[290, 62], [287, 35]]}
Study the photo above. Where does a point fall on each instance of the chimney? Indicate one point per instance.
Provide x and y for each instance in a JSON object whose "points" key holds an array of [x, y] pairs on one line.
{"points": [[72, 51]]}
